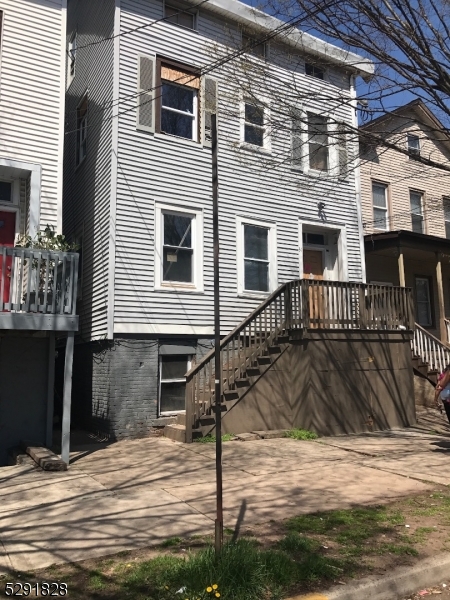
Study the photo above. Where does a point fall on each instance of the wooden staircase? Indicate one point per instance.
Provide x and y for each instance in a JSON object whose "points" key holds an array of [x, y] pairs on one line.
{"points": [[429, 355], [255, 345]]}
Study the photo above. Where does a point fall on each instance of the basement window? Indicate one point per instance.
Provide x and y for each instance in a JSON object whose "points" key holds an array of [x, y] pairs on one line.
{"points": [[173, 383]]}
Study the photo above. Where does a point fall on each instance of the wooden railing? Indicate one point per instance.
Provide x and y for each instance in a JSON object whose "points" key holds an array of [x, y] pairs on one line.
{"points": [[447, 326], [430, 350], [299, 304], [38, 281]]}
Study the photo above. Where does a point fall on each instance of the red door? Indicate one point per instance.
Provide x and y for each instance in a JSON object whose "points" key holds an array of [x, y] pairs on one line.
{"points": [[7, 235]]}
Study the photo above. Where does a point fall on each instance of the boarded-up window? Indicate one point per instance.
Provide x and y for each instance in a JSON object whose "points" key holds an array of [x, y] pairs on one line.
{"points": [[146, 93]]}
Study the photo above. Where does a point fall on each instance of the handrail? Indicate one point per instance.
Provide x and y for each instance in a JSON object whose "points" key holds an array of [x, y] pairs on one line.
{"points": [[430, 349], [295, 305], [38, 281], [240, 327]]}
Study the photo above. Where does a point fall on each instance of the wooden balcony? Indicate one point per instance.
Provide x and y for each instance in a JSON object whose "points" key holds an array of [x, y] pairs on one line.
{"points": [[38, 289]]}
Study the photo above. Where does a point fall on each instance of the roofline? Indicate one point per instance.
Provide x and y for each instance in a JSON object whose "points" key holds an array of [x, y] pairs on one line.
{"points": [[242, 13], [405, 235]]}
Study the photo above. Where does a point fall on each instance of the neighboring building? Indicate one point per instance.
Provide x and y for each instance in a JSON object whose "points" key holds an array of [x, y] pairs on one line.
{"points": [[137, 188], [37, 290], [406, 209]]}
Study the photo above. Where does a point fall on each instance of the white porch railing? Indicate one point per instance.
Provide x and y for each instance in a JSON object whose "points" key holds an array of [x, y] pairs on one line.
{"points": [[38, 281], [430, 350]]}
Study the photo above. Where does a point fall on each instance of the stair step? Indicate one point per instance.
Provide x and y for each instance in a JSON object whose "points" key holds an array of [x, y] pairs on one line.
{"points": [[264, 360], [175, 432], [274, 349], [231, 395], [242, 382], [253, 371], [207, 420]]}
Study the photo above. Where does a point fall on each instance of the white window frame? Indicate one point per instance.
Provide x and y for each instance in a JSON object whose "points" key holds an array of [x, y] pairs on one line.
{"points": [[386, 196], [71, 57], [193, 116], [177, 380], [323, 69], [333, 164], [271, 253], [175, 6], [266, 147], [197, 245], [15, 192], [422, 209], [413, 151]]}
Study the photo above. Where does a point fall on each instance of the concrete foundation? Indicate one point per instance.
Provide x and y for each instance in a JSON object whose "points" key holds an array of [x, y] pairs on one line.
{"points": [[332, 383]]}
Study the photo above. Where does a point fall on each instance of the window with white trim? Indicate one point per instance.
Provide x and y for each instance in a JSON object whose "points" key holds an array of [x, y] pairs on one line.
{"points": [[179, 102], [178, 237], [82, 124], [416, 203], [318, 147], [173, 369], [256, 257], [380, 205], [255, 133], [6, 191], [413, 144]]}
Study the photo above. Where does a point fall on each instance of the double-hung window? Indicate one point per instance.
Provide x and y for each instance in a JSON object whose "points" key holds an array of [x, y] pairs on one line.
{"points": [[178, 248], [416, 202], [318, 147], [413, 144], [380, 206], [314, 71], [253, 46], [254, 124], [179, 15], [256, 249], [179, 103], [82, 125]]}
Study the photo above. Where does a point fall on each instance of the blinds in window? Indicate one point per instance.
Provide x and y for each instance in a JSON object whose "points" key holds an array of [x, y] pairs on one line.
{"points": [[146, 93], [209, 106]]}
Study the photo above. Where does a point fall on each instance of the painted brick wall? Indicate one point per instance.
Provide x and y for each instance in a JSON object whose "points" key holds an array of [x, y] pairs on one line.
{"points": [[115, 386]]}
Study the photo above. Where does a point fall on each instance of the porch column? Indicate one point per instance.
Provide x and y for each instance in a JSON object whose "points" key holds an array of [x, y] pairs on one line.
{"points": [[67, 398], [401, 267], [50, 389], [440, 290]]}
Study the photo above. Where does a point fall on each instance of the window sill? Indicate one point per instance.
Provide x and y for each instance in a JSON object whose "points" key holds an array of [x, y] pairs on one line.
{"points": [[177, 288], [253, 148], [177, 140], [254, 295]]}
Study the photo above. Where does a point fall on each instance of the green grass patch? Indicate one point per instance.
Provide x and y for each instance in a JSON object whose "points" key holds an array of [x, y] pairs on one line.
{"points": [[210, 439], [174, 541], [301, 434]]}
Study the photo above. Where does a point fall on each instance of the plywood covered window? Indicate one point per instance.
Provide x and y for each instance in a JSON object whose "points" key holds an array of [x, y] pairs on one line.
{"points": [[179, 102]]}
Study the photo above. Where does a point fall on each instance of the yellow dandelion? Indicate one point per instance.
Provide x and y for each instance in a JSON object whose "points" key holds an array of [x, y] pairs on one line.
{"points": [[215, 586], [209, 589], [217, 595]]}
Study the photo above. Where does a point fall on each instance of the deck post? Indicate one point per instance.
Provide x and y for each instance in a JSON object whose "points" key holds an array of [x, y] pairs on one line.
{"points": [[67, 398], [401, 267], [50, 389], [440, 290]]}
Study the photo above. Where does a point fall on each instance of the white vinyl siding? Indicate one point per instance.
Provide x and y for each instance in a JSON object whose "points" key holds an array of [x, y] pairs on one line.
{"points": [[33, 52], [165, 170]]}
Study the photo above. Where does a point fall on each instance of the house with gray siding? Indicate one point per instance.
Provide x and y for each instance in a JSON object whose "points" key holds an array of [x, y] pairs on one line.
{"points": [[143, 78], [37, 287]]}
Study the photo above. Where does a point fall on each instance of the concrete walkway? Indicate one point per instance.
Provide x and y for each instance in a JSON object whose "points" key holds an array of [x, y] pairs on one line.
{"points": [[137, 493]]}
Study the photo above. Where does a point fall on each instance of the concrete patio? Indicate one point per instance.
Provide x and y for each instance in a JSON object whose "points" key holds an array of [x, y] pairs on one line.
{"points": [[137, 493]]}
